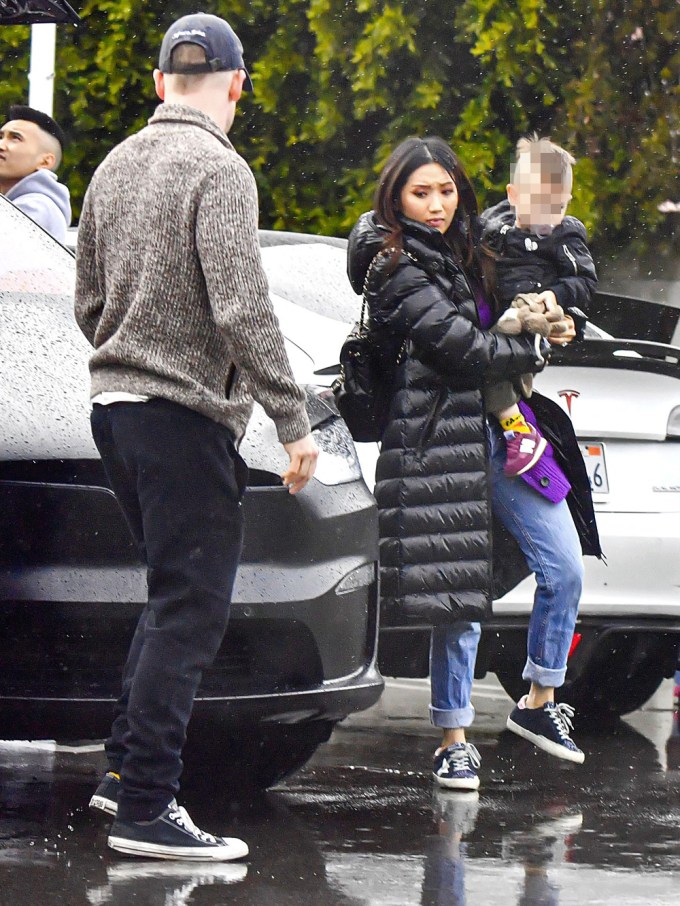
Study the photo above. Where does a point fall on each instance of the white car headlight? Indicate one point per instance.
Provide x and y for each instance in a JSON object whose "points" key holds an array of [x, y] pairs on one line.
{"points": [[337, 462], [673, 428]]}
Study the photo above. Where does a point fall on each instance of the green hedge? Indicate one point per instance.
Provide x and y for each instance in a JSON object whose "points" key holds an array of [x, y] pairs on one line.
{"points": [[340, 82]]}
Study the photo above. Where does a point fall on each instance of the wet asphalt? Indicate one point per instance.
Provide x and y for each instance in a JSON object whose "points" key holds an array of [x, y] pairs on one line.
{"points": [[362, 824]]}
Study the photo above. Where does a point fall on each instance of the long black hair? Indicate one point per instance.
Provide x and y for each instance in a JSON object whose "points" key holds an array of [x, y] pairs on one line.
{"points": [[406, 158]]}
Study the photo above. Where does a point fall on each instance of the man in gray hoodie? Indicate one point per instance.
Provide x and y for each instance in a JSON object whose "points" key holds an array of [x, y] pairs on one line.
{"points": [[31, 147]]}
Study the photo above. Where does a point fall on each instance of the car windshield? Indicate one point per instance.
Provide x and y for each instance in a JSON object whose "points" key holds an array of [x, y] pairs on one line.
{"points": [[43, 366], [31, 261], [315, 277]]}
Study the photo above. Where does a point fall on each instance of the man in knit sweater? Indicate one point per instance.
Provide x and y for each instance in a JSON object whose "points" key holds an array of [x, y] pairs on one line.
{"points": [[171, 293]]}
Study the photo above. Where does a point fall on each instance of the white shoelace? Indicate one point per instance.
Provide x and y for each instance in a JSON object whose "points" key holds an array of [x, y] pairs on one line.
{"points": [[181, 817], [561, 716], [461, 759]]}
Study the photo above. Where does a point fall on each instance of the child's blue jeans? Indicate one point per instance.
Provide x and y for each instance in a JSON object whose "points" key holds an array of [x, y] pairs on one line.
{"points": [[548, 538]]}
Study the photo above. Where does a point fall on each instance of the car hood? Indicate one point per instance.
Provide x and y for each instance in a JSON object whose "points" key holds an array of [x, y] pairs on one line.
{"points": [[315, 341], [49, 414]]}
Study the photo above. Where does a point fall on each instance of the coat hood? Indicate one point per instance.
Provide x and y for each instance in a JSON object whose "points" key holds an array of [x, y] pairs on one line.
{"points": [[45, 200], [501, 215], [493, 219], [365, 241], [368, 236]]}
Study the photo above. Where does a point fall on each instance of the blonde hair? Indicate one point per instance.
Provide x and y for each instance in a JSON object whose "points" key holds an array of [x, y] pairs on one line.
{"points": [[553, 162]]}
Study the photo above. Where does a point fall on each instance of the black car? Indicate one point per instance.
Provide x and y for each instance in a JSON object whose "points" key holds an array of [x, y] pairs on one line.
{"points": [[300, 650]]}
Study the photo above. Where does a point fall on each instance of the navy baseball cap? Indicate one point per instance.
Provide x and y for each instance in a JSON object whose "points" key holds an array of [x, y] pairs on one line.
{"points": [[223, 50]]}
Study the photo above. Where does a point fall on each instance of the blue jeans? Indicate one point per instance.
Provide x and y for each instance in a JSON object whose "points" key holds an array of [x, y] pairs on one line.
{"points": [[548, 538]]}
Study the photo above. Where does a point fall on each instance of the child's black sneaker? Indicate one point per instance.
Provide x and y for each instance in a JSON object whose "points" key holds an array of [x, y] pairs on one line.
{"points": [[455, 767], [105, 797], [547, 728], [173, 835]]}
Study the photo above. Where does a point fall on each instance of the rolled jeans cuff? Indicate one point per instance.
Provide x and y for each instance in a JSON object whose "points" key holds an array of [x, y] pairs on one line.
{"points": [[454, 719], [543, 676]]}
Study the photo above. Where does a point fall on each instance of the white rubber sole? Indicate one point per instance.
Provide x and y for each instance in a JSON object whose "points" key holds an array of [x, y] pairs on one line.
{"points": [[233, 849], [460, 783], [100, 804], [552, 748]]}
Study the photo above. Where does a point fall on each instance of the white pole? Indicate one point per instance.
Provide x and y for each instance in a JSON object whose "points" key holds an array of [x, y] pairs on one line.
{"points": [[41, 73]]}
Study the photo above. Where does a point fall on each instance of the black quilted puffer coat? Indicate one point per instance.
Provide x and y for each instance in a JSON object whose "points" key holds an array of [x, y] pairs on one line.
{"points": [[432, 486]]}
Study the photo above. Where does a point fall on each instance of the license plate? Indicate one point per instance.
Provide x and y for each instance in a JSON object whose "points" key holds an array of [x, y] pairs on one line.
{"points": [[596, 467]]}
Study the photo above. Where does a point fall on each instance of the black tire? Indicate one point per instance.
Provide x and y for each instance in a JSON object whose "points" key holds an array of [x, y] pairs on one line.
{"points": [[282, 750], [580, 694], [605, 680], [249, 758]]}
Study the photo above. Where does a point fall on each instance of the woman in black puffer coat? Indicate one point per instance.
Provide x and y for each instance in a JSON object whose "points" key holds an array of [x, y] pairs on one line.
{"points": [[429, 293]]}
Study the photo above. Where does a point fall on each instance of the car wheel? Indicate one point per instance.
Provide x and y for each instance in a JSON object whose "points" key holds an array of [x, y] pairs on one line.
{"points": [[610, 677], [250, 758], [581, 694]]}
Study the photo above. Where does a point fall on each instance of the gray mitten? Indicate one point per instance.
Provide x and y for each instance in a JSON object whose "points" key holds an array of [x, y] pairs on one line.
{"points": [[509, 323], [533, 322], [529, 301]]}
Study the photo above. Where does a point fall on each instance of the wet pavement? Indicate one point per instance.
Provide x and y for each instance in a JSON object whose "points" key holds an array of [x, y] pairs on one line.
{"points": [[361, 825]]}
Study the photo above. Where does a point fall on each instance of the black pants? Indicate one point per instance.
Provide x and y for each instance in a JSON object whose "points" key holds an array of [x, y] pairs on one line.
{"points": [[179, 481]]}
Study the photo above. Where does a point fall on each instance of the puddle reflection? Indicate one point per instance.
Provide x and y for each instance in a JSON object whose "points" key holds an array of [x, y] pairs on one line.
{"points": [[161, 883], [539, 832]]}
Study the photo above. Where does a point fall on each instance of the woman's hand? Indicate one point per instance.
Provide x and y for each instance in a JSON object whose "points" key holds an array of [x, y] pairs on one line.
{"points": [[562, 332]]}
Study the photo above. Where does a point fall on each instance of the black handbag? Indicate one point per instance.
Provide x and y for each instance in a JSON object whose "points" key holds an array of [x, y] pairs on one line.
{"points": [[363, 390]]}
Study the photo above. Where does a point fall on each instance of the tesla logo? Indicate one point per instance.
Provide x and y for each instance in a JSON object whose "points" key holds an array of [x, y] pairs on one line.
{"points": [[568, 396]]}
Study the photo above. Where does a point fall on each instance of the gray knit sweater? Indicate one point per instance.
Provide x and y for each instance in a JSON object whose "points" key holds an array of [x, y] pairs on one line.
{"points": [[170, 288]]}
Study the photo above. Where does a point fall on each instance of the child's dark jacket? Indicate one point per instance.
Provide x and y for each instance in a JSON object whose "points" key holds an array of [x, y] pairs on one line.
{"points": [[526, 262]]}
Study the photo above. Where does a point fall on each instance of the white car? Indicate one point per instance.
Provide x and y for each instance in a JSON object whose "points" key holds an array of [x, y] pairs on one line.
{"points": [[624, 399], [300, 654]]}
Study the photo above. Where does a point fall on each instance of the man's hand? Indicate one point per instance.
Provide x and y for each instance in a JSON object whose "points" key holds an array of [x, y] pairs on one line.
{"points": [[303, 454], [562, 332]]}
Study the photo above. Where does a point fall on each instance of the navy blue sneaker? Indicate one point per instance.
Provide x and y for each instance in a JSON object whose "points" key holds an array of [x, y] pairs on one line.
{"points": [[455, 767], [173, 835], [547, 727], [105, 798]]}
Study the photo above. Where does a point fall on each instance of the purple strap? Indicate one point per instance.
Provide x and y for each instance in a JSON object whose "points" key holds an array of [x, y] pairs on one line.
{"points": [[546, 476], [484, 312]]}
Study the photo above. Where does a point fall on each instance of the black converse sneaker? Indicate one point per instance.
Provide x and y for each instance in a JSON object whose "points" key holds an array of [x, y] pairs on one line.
{"points": [[455, 767], [173, 835], [105, 798], [547, 727]]}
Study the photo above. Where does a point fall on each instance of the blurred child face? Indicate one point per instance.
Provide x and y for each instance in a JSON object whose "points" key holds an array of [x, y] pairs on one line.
{"points": [[430, 196], [539, 195]]}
